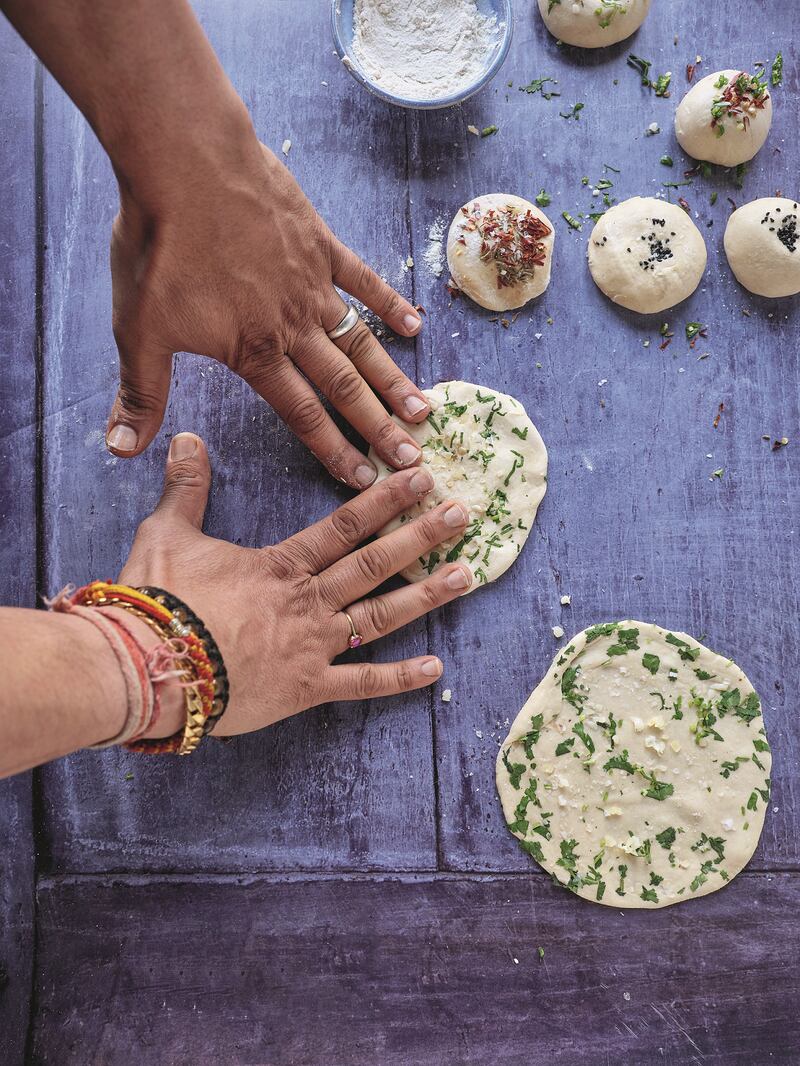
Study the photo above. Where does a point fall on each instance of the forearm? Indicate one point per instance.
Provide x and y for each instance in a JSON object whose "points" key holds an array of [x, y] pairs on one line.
{"points": [[63, 688], [147, 80]]}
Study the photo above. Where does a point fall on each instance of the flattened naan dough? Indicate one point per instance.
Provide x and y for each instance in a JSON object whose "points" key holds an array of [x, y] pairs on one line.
{"points": [[638, 772], [483, 450]]}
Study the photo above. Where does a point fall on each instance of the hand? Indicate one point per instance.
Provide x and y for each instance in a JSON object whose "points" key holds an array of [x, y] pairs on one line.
{"points": [[234, 263], [277, 612]]}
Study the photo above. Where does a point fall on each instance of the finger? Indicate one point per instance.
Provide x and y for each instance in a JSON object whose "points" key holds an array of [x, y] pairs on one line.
{"points": [[138, 410], [364, 681], [186, 481], [301, 409], [335, 376], [380, 615], [360, 572], [343, 530], [378, 369], [355, 277]]}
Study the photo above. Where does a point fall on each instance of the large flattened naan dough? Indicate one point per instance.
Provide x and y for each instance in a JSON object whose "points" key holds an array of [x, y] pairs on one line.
{"points": [[762, 243], [638, 772], [646, 254], [478, 235], [593, 23], [704, 111], [483, 450]]}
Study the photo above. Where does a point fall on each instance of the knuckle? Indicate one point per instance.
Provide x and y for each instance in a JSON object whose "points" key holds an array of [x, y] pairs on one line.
{"points": [[255, 352], [386, 434], [137, 399], [431, 593], [367, 682], [381, 615], [361, 343], [428, 529], [305, 416], [184, 472], [280, 563], [344, 386], [403, 677], [349, 524], [373, 563]]}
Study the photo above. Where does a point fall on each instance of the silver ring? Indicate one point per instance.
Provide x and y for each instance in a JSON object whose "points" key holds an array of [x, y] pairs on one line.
{"points": [[347, 323]]}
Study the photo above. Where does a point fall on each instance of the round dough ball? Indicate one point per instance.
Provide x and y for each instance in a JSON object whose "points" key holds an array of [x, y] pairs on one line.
{"points": [[482, 449], [638, 772], [725, 118], [499, 250], [593, 23], [762, 243], [646, 254]]}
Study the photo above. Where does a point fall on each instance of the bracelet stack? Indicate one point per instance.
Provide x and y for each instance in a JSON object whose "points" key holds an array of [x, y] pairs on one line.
{"points": [[187, 652]]}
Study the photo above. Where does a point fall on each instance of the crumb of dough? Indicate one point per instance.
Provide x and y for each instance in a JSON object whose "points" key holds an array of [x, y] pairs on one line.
{"points": [[447, 695]]}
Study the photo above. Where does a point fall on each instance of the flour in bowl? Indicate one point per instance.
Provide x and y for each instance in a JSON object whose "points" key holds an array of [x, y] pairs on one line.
{"points": [[422, 49]]}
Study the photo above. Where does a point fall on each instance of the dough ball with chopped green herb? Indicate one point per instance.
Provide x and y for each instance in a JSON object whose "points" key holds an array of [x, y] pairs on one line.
{"points": [[725, 118], [638, 772], [499, 250], [646, 254], [593, 23], [483, 450], [762, 243]]}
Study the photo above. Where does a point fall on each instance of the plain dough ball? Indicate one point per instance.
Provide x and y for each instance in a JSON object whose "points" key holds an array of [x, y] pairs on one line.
{"points": [[482, 449], [697, 129], [762, 244], [593, 23], [646, 254], [484, 277]]}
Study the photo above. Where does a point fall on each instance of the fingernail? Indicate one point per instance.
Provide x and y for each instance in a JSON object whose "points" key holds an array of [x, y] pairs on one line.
{"points": [[421, 481], [407, 453], [183, 446], [431, 668], [455, 516], [413, 405], [412, 322], [458, 579], [123, 438], [365, 475]]}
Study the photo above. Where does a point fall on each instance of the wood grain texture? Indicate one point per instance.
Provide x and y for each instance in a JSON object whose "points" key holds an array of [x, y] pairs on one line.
{"points": [[411, 972], [634, 525], [17, 505], [310, 793]]}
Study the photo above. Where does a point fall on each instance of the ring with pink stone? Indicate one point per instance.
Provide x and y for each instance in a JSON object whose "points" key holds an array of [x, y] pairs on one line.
{"points": [[355, 639]]}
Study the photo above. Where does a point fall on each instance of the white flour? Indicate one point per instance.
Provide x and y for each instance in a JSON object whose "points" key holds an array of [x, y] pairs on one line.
{"points": [[422, 49]]}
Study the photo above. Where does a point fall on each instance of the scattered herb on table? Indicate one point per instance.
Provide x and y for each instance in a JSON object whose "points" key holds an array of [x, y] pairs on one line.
{"points": [[543, 199], [574, 112], [538, 86], [487, 131], [572, 222], [667, 161], [695, 330], [777, 70]]}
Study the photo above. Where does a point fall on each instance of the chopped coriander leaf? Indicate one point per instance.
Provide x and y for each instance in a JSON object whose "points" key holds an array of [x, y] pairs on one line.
{"points": [[648, 894], [570, 687], [569, 859], [666, 838], [515, 770], [656, 879], [580, 731], [707, 843], [651, 663], [538, 86], [623, 871], [565, 746], [604, 630], [543, 199], [521, 433], [620, 762], [534, 848], [627, 640], [777, 70], [658, 790], [574, 112], [703, 675], [692, 330], [667, 161]]}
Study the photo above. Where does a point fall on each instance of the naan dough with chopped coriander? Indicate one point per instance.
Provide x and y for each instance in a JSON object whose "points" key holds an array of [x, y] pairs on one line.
{"points": [[483, 450], [638, 772]]}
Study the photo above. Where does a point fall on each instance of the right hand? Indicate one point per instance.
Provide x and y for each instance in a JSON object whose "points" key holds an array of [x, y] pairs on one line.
{"points": [[277, 612]]}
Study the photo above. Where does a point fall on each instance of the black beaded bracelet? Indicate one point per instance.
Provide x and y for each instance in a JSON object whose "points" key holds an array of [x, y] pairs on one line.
{"points": [[185, 622]]}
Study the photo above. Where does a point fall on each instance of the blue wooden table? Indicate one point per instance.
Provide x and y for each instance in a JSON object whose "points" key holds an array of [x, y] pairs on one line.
{"points": [[341, 889]]}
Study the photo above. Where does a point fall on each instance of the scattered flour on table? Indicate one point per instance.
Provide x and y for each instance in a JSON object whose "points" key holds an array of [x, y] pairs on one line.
{"points": [[434, 249], [427, 49]]}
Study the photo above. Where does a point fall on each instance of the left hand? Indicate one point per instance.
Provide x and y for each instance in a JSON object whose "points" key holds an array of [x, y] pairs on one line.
{"points": [[234, 263]]}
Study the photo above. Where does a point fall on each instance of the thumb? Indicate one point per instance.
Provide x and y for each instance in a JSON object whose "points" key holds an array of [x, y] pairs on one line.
{"points": [[186, 481], [138, 410]]}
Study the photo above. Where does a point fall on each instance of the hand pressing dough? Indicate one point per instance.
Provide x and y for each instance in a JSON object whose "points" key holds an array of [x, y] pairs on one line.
{"points": [[762, 243], [499, 250], [593, 23], [646, 254], [638, 772], [725, 118], [484, 451]]}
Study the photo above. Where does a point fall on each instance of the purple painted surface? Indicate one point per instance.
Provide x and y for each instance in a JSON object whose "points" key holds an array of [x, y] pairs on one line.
{"points": [[17, 504], [410, 971], [633, 525]]}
